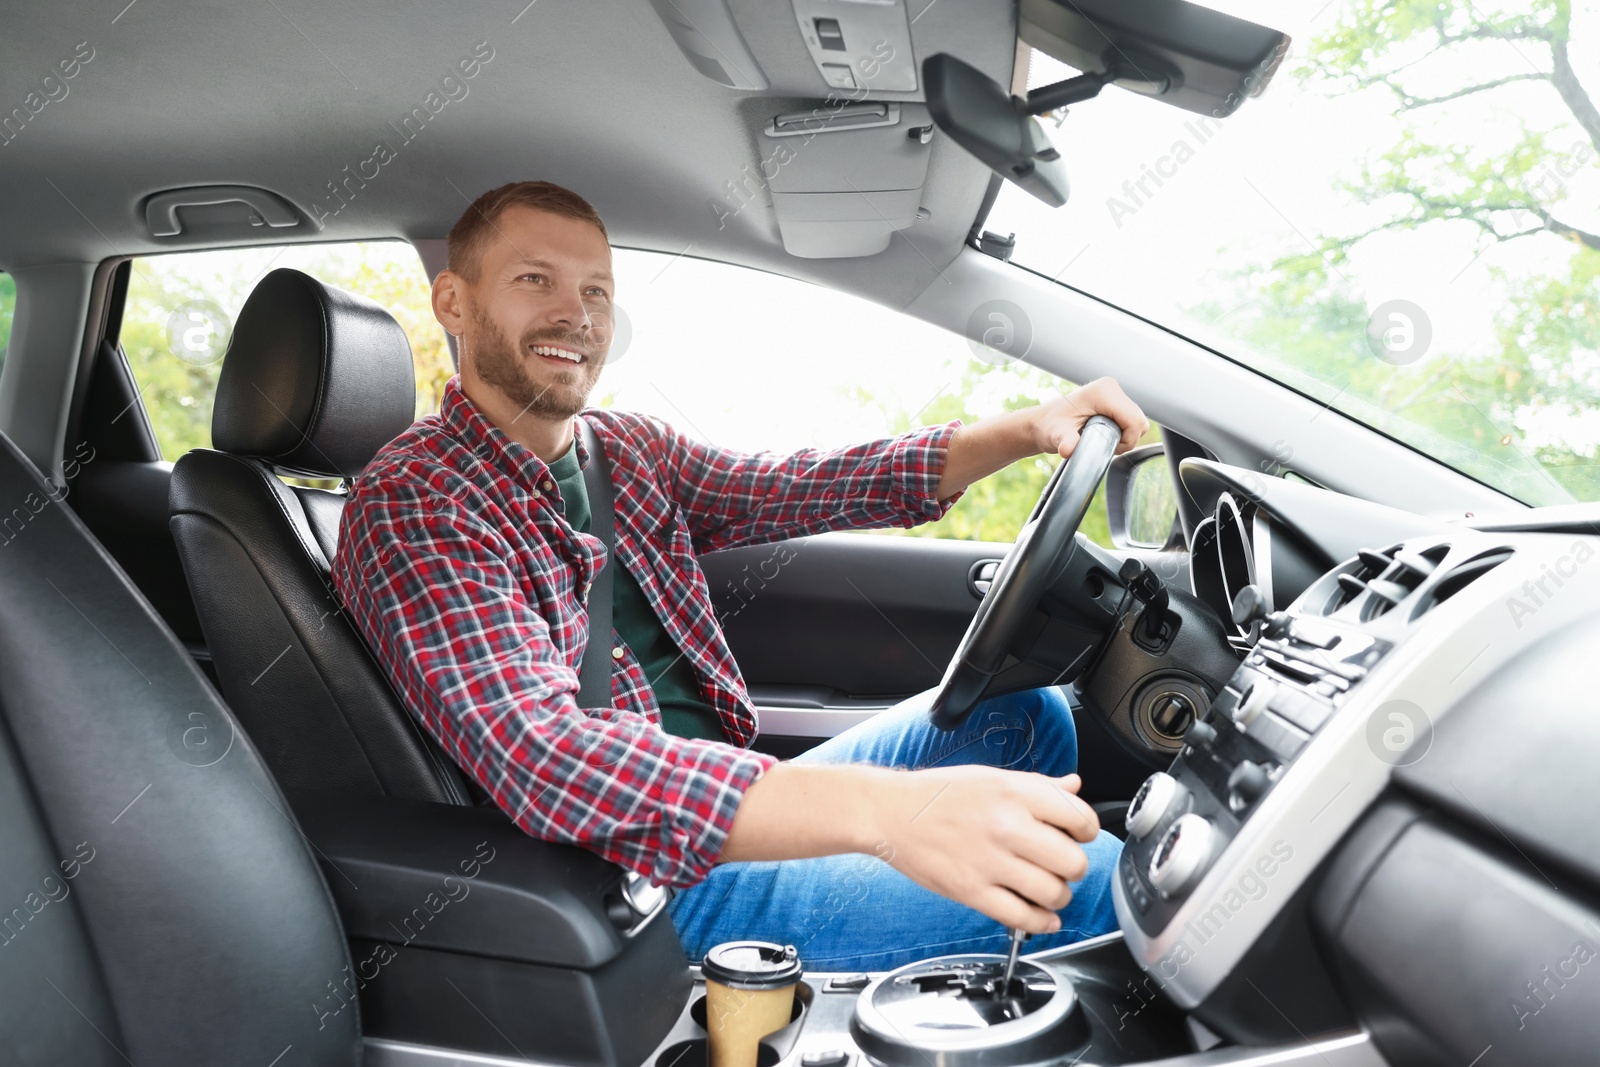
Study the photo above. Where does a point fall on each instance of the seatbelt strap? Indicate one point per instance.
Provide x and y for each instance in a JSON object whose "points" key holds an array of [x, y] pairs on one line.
{"points": [[594, 673]]}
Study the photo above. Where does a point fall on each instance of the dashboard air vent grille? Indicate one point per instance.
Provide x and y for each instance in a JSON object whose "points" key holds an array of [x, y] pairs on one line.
{"points": [[1463, 575], [1370, 563], [1407, 571]]}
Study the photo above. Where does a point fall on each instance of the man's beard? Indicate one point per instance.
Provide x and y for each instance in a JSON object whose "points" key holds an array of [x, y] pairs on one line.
{"points": [[503, 366]]}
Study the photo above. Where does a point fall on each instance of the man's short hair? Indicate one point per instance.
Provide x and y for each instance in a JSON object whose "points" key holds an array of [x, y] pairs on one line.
{"points": [[464, 246]]}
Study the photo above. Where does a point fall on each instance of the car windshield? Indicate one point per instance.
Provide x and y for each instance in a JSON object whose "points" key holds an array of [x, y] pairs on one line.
{"points": [[1404, 227]]}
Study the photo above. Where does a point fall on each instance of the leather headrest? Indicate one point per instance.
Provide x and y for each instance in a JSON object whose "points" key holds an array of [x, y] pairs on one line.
{"points": [[316, 380]]}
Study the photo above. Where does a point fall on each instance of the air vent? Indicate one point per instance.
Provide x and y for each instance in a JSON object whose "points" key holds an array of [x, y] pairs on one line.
{"points": [[1369, 563], [1461, 576], [1406, 572], [1381, 579]]}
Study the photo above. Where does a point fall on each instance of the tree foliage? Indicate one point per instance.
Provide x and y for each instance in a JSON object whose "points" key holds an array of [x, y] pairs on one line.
{"points": [[1519, 413], [8, 306], [178, 393], [995, 508]]}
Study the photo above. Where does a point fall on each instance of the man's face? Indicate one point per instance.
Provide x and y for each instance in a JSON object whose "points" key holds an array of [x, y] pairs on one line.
{"points": [[536, 325]]}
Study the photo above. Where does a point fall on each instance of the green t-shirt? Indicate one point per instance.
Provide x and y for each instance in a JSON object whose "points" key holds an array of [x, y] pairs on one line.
{"points": [[684, 711]]}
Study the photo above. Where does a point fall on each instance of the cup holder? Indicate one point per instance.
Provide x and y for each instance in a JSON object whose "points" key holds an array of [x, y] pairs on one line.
{"points": [[694, 1054], [774, 1047], [802, 1000]]}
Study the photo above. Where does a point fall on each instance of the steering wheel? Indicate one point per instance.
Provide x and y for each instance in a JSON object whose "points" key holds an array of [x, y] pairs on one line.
{"points": [[1042, 549]]}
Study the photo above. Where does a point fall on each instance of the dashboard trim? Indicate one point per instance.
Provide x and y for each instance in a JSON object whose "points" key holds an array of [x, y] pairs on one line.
{"points": [[1436, 660], [383, 1052], [822, 722], [1261, 555], [1230, 525], [1350, 1049]]}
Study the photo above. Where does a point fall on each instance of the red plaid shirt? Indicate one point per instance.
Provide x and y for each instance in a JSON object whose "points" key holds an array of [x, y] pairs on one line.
{"points": [[457, 565]]}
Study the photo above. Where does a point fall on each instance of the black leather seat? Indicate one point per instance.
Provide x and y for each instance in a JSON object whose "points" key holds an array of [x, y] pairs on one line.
{"points": [[315, 382], [157, 903]]}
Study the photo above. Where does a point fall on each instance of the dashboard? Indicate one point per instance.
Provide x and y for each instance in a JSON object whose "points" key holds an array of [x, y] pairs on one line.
{"points": [[1385, 682], [1243, 542]]}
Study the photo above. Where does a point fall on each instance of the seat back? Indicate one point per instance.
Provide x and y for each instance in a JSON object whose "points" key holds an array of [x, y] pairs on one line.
{"points": [[314, 383], [158, 903]]}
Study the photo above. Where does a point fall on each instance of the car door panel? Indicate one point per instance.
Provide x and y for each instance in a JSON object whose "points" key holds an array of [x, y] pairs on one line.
{"points": [[830, 630], [846, 615]]}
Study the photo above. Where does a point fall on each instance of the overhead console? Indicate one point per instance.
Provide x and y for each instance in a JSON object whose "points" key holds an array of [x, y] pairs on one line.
{"points": [[859, 45], [844, 168], [1337, 693], [844, 177]]}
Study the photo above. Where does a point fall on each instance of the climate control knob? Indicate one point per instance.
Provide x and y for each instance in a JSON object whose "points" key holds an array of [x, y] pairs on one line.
{"points": [[1247, 783], [1181, 854], [1199, 735], [1253, 702], [1159, 794]]}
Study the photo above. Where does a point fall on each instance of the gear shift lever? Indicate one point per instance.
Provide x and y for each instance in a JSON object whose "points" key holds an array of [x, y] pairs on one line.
{"points": [[1018, 936]]}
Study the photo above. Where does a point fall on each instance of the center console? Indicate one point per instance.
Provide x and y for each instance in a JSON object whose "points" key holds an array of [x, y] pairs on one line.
{"points": [[1299, 675], [1334, 694], [1084, 1003], [1081, 1005]]}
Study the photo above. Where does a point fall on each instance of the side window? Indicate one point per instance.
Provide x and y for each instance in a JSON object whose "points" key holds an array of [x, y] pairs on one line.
{"points": [[181, 308], [750, 360], [8, 308]]}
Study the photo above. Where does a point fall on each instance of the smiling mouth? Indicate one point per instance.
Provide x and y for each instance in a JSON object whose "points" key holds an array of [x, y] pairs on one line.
{"points": [[558, 354]]}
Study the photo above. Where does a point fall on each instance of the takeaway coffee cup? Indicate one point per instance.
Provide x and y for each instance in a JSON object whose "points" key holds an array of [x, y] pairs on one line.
{"points": [[749, 994]]}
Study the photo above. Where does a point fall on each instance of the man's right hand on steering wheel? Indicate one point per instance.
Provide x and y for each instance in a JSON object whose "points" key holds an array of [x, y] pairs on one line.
{"points": [[1051, 428]]}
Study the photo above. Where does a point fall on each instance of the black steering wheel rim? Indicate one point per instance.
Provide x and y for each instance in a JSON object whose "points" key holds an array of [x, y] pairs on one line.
{"points": [[1042, 548]]}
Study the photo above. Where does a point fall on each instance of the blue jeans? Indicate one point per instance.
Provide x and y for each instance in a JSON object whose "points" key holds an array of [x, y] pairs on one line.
{"points": [[857, 913]]}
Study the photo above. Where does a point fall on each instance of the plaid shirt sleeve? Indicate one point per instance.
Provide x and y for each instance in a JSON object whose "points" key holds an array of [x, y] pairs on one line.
{"points": [[734, 498], [437, 599]]}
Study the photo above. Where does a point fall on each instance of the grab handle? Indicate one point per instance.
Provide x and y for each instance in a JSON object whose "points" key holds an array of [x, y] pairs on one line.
{"points": [[161, 211]]}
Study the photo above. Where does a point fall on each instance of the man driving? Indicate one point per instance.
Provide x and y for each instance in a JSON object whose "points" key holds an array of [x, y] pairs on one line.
{"points": [[466, 559]]}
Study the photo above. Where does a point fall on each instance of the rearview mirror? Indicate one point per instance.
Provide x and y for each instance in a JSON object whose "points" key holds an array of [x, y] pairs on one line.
{"points": [[981, 117], [1170, 50], [1180, 53]]}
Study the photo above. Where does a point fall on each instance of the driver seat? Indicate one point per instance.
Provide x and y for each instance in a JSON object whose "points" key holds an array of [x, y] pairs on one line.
{"points": [[315, 381]]}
